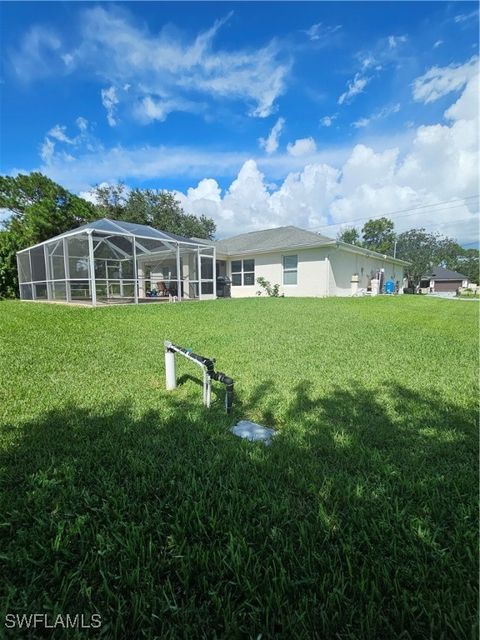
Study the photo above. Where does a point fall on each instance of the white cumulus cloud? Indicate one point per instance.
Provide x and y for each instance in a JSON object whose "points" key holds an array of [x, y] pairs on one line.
{"points": [[327, 121], [47, 150], [463, 17], [380, 114], [37, 54], [393, 41], [319, 31], [58, 132], [439, 81], [302, 147], [467, 106], [361, 122], [150, 108], [356, 86], [82, 123], [110, 101], [270, 144]]}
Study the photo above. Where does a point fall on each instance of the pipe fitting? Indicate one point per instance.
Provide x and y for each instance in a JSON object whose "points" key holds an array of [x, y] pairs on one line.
{"points": [[209, 373]]}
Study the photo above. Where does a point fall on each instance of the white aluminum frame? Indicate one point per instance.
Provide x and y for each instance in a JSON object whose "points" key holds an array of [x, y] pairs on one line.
{"points": [[166, 246]]}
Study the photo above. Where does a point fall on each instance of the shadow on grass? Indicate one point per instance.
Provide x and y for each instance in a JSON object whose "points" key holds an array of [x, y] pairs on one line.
{"points": [[359, 521]]}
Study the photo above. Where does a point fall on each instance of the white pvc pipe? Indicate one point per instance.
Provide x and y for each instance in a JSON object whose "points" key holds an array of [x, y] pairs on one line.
{"points": [[170, 350], [170, 373], [209, 392]]}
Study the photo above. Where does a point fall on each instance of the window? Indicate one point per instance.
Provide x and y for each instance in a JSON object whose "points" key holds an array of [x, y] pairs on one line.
{"points": [[243, 273], [290, 266]]}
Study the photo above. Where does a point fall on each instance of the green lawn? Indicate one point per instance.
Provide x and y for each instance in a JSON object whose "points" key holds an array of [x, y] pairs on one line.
{"points": [[359, 521]]}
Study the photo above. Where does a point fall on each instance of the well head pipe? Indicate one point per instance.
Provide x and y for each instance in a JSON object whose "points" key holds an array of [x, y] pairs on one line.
{"points": [[170, 371]]}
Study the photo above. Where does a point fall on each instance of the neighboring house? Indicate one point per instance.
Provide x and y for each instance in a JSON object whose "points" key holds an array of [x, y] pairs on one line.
{"points": [[442, 280], [302, 262]]}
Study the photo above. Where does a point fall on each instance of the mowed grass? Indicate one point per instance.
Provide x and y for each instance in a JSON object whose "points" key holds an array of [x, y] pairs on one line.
{"points": [[359, 521]]}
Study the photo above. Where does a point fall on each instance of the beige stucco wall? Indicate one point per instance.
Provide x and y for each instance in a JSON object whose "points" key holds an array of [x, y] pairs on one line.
{"points": [[321, 272], [343, 264], [311, 275]]}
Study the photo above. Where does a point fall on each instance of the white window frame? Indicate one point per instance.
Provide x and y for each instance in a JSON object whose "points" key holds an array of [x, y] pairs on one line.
{"points": [[242, 272], [289, 270]]}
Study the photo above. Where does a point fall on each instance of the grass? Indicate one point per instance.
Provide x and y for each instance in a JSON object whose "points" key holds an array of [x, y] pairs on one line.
{"points": [[359, 521]]}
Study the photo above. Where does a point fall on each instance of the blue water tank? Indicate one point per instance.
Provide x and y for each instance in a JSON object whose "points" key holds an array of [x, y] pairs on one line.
{"points": [[390, 286]]}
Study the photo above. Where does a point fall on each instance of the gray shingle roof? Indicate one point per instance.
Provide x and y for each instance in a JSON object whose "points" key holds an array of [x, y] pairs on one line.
{"points": [[439, 273], [271, 239]]}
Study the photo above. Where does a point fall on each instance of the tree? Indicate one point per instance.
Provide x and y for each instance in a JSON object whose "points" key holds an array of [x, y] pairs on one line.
{"points": [[110, 200], [421, 249], [159, 209], [39, 209], [468, 263], [350, 235], [8, 265], [455, 257], [378, 235], [448, 252], [427, 250]]}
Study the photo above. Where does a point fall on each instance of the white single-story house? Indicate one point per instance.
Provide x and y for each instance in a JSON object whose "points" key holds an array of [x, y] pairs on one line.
{"points": [[111, 261], [302, 262]]}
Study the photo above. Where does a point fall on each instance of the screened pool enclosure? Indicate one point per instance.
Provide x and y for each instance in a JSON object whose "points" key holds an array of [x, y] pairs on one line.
{"points": [[110, 261]]}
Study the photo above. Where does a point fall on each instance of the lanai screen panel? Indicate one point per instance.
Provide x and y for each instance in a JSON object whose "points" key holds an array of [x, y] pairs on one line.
{"points": [[78, 268], [55, 259], [39, 275], [190, 273], [25, 275], [207, 268], [114, 263], [157, 260]]}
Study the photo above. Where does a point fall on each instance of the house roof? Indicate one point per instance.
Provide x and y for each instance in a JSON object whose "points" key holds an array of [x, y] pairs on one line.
{"points": [[285, 238], [271, 239], [439, 273]]}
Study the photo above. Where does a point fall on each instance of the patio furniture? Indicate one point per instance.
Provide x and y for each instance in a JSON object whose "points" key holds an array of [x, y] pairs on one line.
{"points": [[163, 290]]}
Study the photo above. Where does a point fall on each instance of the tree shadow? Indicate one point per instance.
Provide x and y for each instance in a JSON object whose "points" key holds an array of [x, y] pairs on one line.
{"points": [[217, 392], [357, 522]]}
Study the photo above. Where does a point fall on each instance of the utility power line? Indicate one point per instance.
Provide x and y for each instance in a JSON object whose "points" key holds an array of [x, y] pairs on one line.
{"points": [[442, 224], [404, 212]]}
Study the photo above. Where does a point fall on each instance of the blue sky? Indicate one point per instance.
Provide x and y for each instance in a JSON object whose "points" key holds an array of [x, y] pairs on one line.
{"points": [[258, 114]]}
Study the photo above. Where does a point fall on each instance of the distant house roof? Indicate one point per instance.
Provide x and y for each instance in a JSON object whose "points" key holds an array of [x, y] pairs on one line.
{"points": [[439, 273], [285, 238]]}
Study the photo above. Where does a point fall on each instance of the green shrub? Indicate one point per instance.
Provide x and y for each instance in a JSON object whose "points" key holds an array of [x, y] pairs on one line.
{"points": [[271, 290]]}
